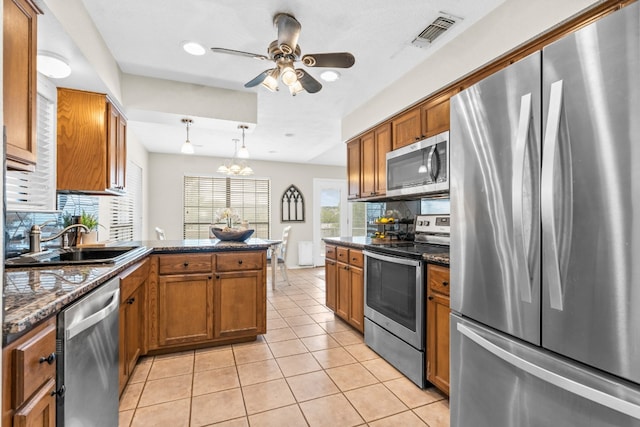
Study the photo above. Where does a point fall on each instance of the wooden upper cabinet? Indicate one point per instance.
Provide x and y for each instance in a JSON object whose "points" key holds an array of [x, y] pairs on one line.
{"points": [[19, 82], [407, 128], [353, 168], [91, 147], [383, 146], [435, 116], [368, 164]]}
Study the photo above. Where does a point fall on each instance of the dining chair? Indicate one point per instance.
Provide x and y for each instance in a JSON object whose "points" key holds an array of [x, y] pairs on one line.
{"points": [[160, 233], [281, 253]]}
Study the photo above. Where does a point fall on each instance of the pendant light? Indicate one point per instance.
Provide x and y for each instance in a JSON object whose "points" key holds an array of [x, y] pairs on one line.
{"points": [[243, 153], [187, 147]]}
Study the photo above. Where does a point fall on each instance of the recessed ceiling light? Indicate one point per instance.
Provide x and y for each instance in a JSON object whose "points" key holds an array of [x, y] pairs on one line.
{"points": [[330, 76], [193, 48], [52, 65], [289, 135]]}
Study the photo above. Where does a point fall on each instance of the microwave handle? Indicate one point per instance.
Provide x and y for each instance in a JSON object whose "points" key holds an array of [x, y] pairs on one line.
{"points": [[433, 171]]}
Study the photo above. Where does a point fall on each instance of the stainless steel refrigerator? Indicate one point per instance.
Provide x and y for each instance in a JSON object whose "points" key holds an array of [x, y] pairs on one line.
{"points": [[545, 247]]}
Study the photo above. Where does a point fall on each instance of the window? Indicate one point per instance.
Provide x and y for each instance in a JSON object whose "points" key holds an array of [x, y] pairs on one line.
{"points": [[205, 196], [36, 191], [125, 212]]}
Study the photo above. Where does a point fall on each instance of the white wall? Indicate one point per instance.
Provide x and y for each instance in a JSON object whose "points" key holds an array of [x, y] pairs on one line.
{"points": [[166, 174], [510, 25]]}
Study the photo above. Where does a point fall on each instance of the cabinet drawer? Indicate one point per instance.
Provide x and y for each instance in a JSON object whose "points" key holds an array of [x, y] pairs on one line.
{"points": [[438, 277], [342, 254], [330, 252], [35, 363], [356, 258], [131, 279], [180, 264], [234, 261]]}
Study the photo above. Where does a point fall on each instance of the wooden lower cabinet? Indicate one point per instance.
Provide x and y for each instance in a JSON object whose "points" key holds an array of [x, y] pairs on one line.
{"points": [[239, 304], [438, 326], [217, 297], [133, 285], [29, 378], [185, 304], [347, 278]]}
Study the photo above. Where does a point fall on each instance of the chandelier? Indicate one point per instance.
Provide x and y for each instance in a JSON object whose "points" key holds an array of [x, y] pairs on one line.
{"points": [[235, 166]]}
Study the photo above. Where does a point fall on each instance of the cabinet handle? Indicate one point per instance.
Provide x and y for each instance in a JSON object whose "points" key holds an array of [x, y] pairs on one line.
{"points": [[49, 359], [445, 283], [240, 262], [59, 392], [211, 277], [430, 297], [186, 264], [217, 276], [131, 300]]}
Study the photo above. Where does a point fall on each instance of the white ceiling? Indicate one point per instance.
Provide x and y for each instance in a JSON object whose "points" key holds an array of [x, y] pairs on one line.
{"points": [[145, 36]]}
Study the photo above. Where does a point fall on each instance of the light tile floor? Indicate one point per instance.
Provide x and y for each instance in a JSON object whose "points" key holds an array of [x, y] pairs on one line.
{"points": [[310, 369]]}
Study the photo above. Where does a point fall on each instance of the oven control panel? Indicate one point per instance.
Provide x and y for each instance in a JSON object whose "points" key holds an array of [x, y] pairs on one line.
{"points": [[432, 224]]}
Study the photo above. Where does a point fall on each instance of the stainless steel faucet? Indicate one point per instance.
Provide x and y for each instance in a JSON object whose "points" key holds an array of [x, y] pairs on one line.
{"points": [[35, 239]]}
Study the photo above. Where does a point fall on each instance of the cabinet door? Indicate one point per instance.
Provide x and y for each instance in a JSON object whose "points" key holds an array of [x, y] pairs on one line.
{"points": [[330, 274], [113, 117], [356, 296], [383, 146], [122, 153], [438, 341], [407, 128], [435, 117], [343, 290], [134, 328], [368, 165], [185, 309], [19, 83], [239, 304], [353, 169], [40, 410]]}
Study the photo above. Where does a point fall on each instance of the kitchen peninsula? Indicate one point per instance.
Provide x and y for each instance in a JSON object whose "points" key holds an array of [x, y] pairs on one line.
{"points": [[174, 295]]}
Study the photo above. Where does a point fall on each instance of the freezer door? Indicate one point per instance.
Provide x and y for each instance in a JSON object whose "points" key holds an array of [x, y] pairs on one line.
{"points": [[495, 172], [591, 195], [499, 382]]}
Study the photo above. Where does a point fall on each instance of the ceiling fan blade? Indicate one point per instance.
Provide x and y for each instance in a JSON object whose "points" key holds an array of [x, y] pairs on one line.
{"points": [[239, 53], [258, 79], [288, 32], [333, 60], [309, 84]]}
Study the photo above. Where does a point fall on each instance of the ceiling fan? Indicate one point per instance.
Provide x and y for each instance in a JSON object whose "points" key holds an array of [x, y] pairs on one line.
{"points": [[284, 52]]}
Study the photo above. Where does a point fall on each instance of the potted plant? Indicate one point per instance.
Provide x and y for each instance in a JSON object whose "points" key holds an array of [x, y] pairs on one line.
{"points": [[90, 221]]}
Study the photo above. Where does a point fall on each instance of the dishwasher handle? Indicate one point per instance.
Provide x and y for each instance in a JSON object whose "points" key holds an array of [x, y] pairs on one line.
{"points": [[91, 320]]}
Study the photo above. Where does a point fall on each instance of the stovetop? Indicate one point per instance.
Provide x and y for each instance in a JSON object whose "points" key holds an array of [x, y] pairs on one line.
{"points": [[407, 249]]}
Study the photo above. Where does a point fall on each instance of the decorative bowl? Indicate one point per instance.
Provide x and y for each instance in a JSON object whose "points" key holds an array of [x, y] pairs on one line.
{"points": [[232, 235]]}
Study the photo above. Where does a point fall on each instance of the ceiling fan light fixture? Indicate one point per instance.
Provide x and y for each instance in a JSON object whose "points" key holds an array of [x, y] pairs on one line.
{"points": [[288, 74], [193, 48], [271, 81], [295, 88], [187, 147]]}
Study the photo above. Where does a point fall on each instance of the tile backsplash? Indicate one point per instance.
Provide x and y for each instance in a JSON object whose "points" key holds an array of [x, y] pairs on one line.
{"points": [[18, 224]]}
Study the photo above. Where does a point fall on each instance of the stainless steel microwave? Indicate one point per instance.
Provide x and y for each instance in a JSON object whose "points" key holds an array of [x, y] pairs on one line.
{"points": [[419, 168]]}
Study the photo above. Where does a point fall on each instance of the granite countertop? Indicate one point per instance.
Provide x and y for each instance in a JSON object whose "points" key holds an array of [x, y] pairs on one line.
{"points": [[359, 242], [33, 294]]}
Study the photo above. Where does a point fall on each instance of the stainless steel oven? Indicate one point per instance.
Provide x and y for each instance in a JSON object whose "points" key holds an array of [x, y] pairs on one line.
{"points": [[394, 296]]}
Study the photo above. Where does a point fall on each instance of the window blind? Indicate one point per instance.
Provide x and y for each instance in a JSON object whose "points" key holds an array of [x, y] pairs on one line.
{"points": [[36, 191], [125, 219], [204, 196]]}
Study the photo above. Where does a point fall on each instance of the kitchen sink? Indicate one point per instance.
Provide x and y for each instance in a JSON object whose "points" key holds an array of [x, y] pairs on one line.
{"points": [[74, 256]]}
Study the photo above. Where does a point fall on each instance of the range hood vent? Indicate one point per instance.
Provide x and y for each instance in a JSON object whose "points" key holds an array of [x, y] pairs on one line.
{"points": [[441, 24]]}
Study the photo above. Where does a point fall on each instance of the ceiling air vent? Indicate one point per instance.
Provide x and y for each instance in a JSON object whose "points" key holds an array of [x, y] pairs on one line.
{"points": [[434, 30]]}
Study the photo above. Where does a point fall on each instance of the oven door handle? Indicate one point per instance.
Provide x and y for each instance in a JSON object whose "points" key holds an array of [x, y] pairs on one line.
{"points": [[394, 259]]}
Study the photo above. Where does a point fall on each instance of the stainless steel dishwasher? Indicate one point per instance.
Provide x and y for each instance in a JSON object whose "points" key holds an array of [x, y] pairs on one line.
{"points": [[87, 347]]}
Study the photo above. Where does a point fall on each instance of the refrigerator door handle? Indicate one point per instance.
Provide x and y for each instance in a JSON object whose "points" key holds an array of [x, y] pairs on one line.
{"points": [[551, 256], [550, 377], [517, 198]]}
